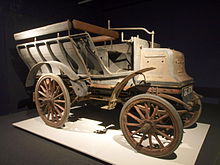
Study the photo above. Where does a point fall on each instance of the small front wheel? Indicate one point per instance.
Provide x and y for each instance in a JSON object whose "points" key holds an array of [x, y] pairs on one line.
{"points": [[52, 100], [151, 125]]}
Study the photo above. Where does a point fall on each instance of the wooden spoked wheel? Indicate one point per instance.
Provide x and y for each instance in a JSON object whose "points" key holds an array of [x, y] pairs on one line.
{"points": [[190, 118], [151, 125], [52, 100]]}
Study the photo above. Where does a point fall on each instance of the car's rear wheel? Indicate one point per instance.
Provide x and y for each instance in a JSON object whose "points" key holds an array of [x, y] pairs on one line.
{"points": [[52, 100]]}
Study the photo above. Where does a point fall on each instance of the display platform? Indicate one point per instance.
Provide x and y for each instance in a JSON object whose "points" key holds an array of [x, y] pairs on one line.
{"points": [[112, 147]]}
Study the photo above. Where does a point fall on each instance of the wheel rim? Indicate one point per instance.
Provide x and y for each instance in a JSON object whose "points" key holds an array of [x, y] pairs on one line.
{"points": [[151, 128], [52, 100]]}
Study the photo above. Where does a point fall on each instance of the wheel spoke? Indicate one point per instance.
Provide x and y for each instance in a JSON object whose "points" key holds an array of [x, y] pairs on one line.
{"points": [[182, 111], [49, 85], [45, 84], [147, 111], [56, 90], [59, 101], [150, 140], [43, 94], [53, 87], [43, 99], [45, 110], [138, 131], [58, 111], [59, 95], [59, 106], [42, 104], [56, 115], [52, 114], [161, 118], [133, 124], [191, 113], [164, 126], [165, 135], [144, 109], [142, 139], [161, 112], [158, 140], [134, 117], [48, 114], [139, 112], [141, 107], [42, 87], [154, 112]]}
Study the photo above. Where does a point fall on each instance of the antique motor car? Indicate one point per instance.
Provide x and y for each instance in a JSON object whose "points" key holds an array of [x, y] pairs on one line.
{"points": [[73, 61]]}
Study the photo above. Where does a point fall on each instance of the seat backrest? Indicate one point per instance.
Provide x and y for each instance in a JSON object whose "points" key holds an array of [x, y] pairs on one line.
{"points": [[117, 57], [75, 51]]}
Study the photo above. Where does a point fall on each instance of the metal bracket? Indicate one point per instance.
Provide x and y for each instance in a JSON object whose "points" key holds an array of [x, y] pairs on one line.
{"points": [[104, 130]]}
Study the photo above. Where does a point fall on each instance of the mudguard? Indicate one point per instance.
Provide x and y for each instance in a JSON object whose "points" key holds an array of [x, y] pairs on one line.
{"points": [[118, 87], [54, 64]]}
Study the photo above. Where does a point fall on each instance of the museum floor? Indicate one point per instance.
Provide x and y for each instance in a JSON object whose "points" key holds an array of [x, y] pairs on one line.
{"points": [[21, 147]]}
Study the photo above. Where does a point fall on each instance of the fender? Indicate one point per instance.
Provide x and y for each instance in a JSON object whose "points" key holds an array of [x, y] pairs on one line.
{"points": [[55, 64], [169, 97], [118, 87]]}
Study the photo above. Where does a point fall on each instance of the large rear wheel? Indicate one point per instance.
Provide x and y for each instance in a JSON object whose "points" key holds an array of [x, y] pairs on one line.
{"points": [[52, 100], [151, 125]]}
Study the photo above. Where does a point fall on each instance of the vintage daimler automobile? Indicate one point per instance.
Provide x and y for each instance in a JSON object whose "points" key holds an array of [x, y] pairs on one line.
{"points": [[68, 65]]}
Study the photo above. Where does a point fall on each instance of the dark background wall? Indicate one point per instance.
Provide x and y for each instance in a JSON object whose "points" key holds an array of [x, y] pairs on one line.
{"points": [[192, 28]]}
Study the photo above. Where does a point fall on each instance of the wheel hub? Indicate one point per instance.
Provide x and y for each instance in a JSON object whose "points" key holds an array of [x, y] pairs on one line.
{"points": [[50, 100], [148, 126]]}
